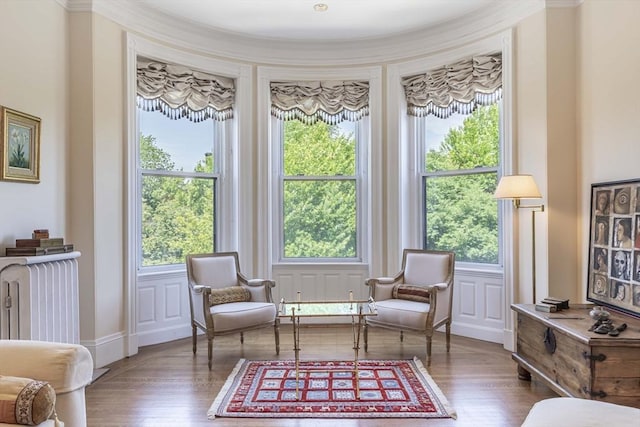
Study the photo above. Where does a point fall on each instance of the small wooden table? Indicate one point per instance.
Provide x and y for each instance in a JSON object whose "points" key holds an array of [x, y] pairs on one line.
{"points": [[357, 310], [559, 349]]}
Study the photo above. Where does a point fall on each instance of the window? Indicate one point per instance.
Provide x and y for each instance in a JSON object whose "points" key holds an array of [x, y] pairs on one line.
{"points": [[459, 177], [319, 190], [457, 111], [183, 124], [321, 175], [178, 172]]}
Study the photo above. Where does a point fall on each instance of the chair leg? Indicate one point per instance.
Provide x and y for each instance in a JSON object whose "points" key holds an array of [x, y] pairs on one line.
{"points": [[276, 331], [428, 350], [366, 337], [210, 352], [401, 336], [194, 337], [241, 337], [448, 335]]}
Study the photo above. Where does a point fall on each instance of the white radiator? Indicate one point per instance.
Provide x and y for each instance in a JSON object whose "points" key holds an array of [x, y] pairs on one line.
{"points": [[39, 298]]}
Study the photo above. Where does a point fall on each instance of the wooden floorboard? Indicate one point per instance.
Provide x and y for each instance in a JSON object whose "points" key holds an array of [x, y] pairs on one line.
{"points": [[166, 385]]}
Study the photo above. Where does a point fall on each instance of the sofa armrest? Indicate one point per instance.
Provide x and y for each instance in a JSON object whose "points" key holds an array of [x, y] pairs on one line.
{"points": [[66, 367]]}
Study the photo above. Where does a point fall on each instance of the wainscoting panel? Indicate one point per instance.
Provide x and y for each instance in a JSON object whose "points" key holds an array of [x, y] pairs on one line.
{"points": [[162, 308], [146, 305], [467, 297], [494, 311], [478, 305], [320, 283]]}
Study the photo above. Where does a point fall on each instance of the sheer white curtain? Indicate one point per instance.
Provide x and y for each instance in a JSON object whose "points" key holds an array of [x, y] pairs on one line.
{"points": [[180, 92]]}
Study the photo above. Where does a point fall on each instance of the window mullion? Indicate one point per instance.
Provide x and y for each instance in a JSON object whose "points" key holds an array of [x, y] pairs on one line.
{"points": [[457, 172]]}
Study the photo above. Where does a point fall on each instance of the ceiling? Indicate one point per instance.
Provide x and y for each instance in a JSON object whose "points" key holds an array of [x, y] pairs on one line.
{"points": [[297, 19]]}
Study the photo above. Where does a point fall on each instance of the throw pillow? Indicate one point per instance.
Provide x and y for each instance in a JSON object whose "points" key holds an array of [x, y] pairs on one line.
{"points": [[25, 401], [230, 294], [411, 293]]}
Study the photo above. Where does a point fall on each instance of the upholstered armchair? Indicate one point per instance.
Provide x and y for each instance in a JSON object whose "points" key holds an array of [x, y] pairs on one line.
{"points": [[223, 301], [417, 299], [68, 368]]}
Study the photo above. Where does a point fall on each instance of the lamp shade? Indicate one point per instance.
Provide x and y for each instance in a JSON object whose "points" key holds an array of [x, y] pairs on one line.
{"points": [[517, 187]]}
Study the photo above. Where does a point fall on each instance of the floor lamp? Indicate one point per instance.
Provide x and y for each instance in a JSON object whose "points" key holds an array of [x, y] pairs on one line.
{"points": [[517, 187]]}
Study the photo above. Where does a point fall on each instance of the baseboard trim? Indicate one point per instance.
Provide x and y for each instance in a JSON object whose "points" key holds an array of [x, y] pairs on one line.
{"points": [[107, 349]]}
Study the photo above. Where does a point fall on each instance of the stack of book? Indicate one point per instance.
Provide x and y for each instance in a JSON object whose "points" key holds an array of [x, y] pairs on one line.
{"points": [[552, 304], [39, 244]]}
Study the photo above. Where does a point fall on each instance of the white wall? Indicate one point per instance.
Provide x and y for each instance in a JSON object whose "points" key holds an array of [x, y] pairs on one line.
{"points": [[608, 107], [33, 80]]}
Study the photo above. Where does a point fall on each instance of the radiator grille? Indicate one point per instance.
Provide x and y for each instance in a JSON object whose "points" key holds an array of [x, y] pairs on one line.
{"points": [[40, 302]]}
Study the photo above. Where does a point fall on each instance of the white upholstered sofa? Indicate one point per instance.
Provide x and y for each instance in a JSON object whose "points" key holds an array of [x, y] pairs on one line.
{"points": [[67, 367], [574, 412]]}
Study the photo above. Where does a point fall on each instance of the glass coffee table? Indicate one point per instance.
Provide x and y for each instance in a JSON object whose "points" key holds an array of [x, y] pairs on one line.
{"points": [[357, 310]]}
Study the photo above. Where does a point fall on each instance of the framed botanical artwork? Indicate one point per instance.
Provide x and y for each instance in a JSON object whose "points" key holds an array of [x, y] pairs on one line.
{"points": [[20, 153], [614, 246]]}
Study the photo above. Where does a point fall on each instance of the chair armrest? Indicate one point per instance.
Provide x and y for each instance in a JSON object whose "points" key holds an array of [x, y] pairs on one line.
{"points": [[380, 288], [261, 282], [198, 289], [381, 280], [439, 286], [260, 289]]}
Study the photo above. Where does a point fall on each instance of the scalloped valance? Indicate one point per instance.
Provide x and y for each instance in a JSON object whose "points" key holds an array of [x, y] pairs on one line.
{"points": [[329, 101], [455, 88], [180, 92]]}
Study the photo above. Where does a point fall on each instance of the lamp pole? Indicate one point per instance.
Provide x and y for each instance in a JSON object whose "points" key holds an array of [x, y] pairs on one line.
{"points": [[516, 187], [534, 209]]}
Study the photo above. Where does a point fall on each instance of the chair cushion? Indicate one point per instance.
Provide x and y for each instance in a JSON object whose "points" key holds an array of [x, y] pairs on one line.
{"points": [[230, 294], [411, 293], [25, 401], [239, 315], [401, 313]]}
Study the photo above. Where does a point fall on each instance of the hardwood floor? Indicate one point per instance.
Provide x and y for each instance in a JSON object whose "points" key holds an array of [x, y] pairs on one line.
{"points": [[165, 385]]}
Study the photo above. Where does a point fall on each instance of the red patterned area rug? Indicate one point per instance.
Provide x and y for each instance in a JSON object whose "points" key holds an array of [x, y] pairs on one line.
{"points": [[388, 389]]}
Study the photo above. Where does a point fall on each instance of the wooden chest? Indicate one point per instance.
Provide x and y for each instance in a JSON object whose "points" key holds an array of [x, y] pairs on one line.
{"points": [[559, 349]]}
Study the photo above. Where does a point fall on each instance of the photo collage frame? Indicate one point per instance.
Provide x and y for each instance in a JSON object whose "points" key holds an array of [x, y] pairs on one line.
{"points": [[614, 246]]}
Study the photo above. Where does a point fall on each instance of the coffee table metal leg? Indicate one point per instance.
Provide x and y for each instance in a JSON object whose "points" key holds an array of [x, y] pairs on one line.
{"points": [[296, 347], [356, 328]]}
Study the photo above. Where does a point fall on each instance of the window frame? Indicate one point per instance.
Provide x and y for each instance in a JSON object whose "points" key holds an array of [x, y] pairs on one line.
{"points": [[231, 182], [219, 147], [404, 210], [361, 136], [421, 143]]}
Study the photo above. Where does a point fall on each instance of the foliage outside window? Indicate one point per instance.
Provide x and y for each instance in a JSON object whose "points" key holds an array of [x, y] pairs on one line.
{"points": [[319, 190], [177, 174], [459, 178]]}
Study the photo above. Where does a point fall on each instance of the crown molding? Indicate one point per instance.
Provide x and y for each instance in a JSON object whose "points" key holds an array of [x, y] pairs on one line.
{"points": [[563, 3], [77, 5], [188, 35]]}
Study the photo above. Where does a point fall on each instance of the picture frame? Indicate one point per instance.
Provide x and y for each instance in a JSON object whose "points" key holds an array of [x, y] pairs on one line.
{"points": [[614, 246], [20, 151]]}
